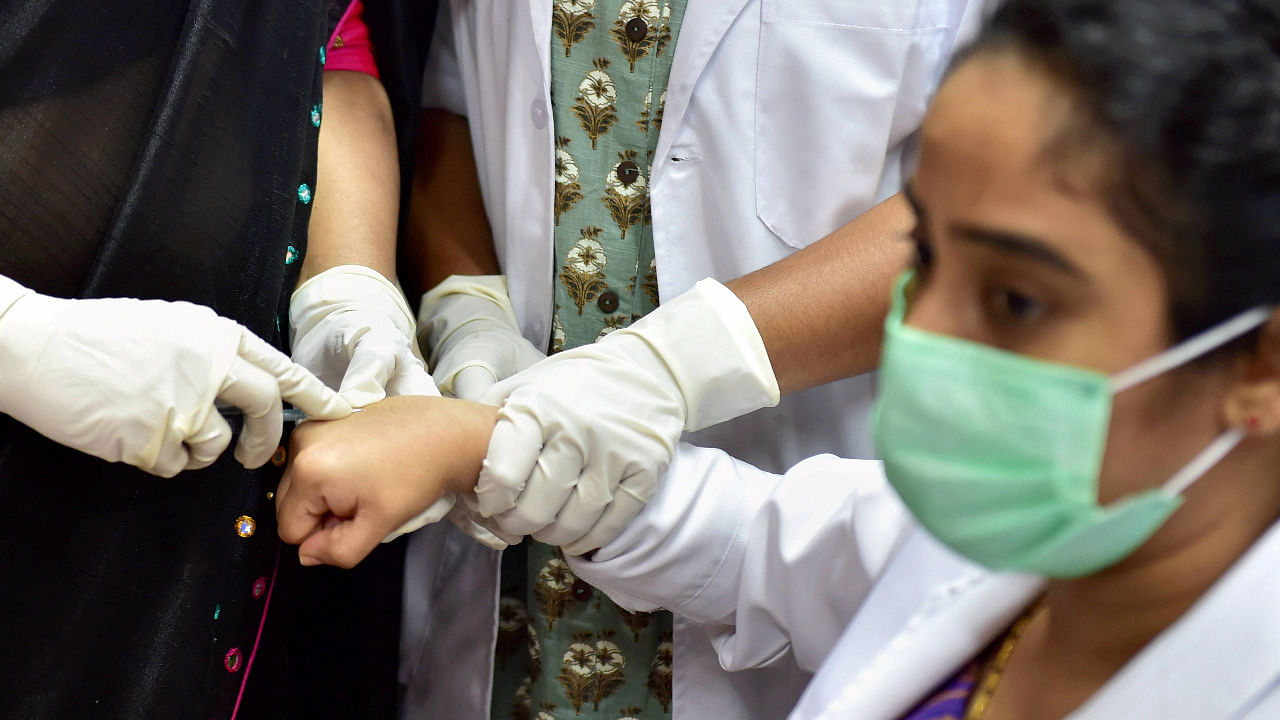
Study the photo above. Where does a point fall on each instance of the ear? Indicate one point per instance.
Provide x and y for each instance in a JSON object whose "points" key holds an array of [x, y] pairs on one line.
{"points": [[1253, 403]]}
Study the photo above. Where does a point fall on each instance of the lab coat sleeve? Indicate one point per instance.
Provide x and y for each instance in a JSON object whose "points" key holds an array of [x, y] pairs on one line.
{"points": [[765, 562], [442, 85]]}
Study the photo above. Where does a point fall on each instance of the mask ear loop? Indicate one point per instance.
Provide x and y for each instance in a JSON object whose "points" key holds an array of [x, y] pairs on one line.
{"points": [[1190, 349], [1203, 461], [1180, 354]]}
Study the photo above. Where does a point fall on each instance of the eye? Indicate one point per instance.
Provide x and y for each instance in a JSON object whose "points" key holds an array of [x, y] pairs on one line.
{"points": [[922, 259], [1009, 306]]}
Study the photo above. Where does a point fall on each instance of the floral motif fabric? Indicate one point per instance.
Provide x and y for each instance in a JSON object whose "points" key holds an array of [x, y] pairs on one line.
{"points": [[565, 650], [610, 62]]}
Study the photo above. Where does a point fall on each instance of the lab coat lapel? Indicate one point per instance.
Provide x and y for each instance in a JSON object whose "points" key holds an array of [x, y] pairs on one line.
{"points": [[929, 614], [703, 27], [1217, 660], [540, 26]]}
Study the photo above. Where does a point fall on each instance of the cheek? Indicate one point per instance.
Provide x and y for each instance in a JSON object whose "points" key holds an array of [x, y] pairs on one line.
{"points": [[1156, 428]]}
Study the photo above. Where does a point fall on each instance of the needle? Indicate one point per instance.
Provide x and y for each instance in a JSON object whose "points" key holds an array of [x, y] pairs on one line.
{"points": [[292, 415]]}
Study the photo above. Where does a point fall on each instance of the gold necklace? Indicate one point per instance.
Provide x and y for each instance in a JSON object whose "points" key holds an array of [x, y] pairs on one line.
{"points": [[994, 670]]}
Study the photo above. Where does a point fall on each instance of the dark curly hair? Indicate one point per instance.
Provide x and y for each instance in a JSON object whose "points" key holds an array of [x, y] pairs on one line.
{"points": [[1184, 95]]}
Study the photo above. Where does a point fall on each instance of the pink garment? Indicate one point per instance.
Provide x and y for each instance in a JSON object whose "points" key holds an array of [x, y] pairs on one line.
{"points": [[349, 48]]}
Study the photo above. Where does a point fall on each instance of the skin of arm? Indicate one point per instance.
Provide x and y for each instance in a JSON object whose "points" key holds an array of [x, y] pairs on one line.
{"points": [[353, 219], [448, 230], [821, 310]]}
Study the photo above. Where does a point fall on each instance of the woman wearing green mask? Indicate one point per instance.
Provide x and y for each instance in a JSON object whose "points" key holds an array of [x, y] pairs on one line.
{"points": [[1079, 409]]}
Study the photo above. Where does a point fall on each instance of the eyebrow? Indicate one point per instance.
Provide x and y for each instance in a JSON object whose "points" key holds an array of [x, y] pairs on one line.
{"points": [[1022, 245], [1007, 242]]}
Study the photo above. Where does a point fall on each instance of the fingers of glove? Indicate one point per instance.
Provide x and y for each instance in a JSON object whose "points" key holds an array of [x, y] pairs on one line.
{"points": [[343, 542], [473, 381], [582, 509], [628, 501], [254, 391], [555, 477], [208, 443], [514, 449], [411, 378], [434, 513], [172, 457], [294, 383], [373, 363]]}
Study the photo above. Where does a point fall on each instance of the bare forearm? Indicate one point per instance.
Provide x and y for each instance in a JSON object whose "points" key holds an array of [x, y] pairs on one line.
{"points": [[821, 310], [449, 231], [353, 221]]}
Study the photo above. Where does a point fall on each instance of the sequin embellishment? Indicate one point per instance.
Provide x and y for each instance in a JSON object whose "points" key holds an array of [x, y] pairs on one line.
{"points": [[232, 661], [259, 587], [279, 456], [290, 255], [322, 55], [217, 611], [315, 115], [245, 526], [304, 194]]}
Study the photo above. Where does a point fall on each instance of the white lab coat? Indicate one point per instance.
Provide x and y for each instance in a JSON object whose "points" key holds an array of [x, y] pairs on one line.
{"points": [[784, 120], [828, 564]]}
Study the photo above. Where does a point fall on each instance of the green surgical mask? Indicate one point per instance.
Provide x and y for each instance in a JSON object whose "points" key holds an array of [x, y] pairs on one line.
{"points": [[998, 454]]}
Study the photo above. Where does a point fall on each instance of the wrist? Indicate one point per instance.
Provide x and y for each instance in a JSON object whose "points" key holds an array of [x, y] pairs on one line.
{"points": [[26, 325], [347, 286], [460, 298], [471, 427], [704, 346]]}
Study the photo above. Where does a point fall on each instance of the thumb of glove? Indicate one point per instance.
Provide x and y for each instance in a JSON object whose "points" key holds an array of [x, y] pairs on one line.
{"points": [[471, 383]]}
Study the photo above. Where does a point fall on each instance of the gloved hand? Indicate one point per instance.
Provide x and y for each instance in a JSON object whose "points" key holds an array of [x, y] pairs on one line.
{"points": [[468, 329], [583, 436], [353, 328], [136, 381]]}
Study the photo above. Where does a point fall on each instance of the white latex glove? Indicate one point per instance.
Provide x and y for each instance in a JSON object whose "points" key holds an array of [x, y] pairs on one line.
{"points": [[469, 331], [136, 381], [353, 328], [583, 436]]}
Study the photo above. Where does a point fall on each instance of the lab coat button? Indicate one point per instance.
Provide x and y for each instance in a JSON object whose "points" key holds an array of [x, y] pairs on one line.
{"points": [[538, 112], [608, 301], [637, 29]]}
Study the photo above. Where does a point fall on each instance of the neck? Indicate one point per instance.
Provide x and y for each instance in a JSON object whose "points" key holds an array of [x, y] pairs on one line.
{"points": [[1095, 624]]}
